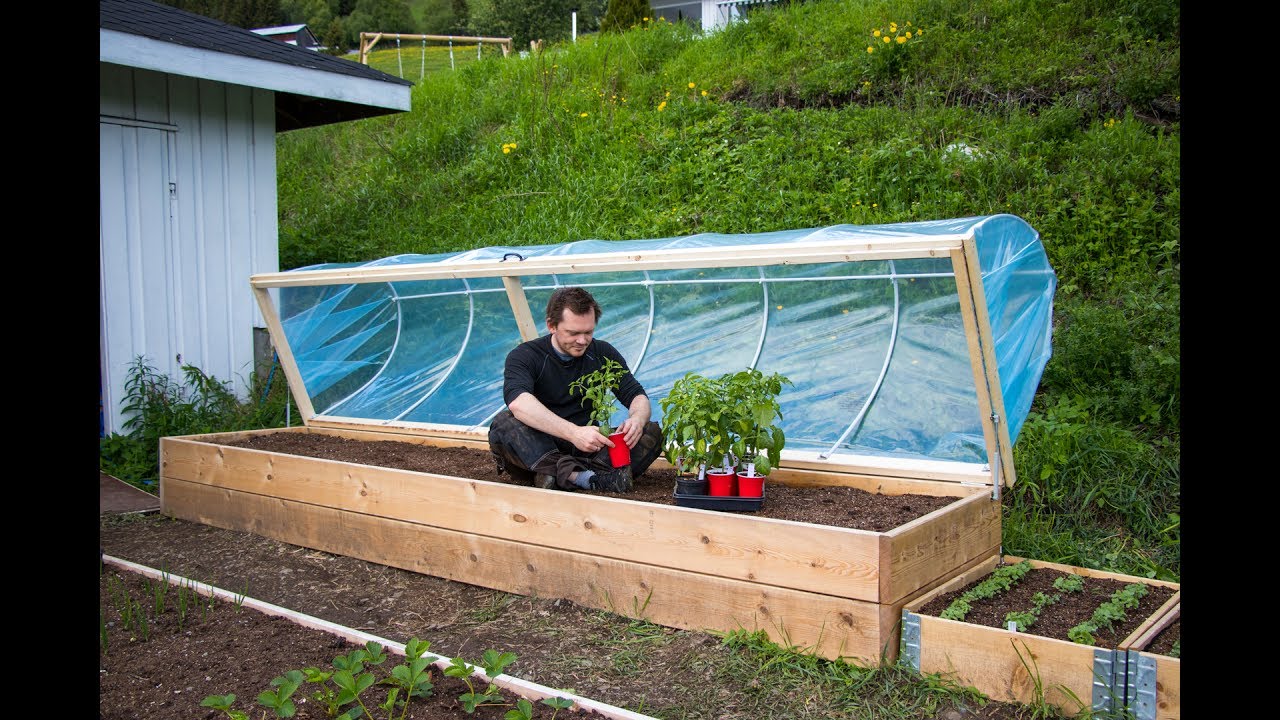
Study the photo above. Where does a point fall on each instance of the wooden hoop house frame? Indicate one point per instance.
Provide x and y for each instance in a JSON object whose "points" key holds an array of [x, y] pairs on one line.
{"points": [[834, 591]]}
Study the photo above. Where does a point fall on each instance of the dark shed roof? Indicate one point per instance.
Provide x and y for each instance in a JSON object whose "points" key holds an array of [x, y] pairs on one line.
{"points": [[169, 24]]}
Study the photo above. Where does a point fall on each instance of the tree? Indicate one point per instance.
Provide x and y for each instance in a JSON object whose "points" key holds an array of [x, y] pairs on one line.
{"points": [[621, 15], [522, 20], [246, 14], [313, 13], [436, 17], [461, 17], [380, 16], [590, 13], [334, 37]]}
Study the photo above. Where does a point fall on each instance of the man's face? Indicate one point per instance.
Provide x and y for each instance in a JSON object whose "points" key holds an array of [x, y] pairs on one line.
{"points": [[573, 333]]}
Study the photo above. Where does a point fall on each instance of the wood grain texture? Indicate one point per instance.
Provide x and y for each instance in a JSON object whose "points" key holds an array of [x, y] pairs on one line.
{"points": [[829, 626], [802, 556]]}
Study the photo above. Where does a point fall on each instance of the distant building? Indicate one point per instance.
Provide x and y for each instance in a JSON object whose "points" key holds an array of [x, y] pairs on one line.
{"points": [[292, 34], [706, 14]]}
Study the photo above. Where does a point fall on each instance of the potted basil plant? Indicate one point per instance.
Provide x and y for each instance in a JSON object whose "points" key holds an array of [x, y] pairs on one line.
{"points": [[758, 438], [598, 387]]}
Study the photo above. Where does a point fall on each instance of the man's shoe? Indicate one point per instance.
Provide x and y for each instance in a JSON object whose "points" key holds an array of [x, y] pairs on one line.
{"points": [[616, 480], [546, 482]]}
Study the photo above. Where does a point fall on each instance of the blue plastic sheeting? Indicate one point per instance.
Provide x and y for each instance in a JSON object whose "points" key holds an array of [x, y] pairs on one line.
{"points": [[876, 350]]}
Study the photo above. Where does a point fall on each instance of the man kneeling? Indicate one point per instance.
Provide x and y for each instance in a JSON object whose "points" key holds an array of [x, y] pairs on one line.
{"points": [[544, 436]]}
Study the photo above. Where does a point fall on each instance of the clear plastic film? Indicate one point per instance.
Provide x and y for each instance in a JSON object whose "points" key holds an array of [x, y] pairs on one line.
{"points": [[876, 351]]}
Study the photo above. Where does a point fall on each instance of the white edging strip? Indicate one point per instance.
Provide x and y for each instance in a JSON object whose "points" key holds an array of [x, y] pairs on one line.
{"points": [[519, 686]]}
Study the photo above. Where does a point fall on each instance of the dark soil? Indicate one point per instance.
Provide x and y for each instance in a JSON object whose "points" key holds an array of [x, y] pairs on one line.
{"points": [[167, 669], [1071, 609], [660, 671], [836, 506]]}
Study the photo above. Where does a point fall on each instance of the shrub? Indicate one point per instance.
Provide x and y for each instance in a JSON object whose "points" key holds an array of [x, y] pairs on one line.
{"points": [[157, 406]]}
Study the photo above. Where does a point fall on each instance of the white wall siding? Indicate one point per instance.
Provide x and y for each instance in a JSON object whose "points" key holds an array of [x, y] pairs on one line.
{"points": [[175, 281]]}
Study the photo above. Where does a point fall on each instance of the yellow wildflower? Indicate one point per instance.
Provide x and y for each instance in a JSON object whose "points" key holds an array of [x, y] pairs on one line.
{"points": [[886, 38], [874, 204], [704, 93], [900, 39], [668, 94], [875, 33], [693, 85], [662, 106], [908, 34], [893, 27], [582, 115], [506, 149], [870, 49]]}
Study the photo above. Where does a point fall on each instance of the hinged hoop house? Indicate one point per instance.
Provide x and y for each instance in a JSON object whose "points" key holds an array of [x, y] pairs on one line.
{"points": [[914, 349]]}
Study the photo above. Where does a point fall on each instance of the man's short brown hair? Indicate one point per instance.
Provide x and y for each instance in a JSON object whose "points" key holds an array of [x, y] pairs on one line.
{"points": [[576, 299]]}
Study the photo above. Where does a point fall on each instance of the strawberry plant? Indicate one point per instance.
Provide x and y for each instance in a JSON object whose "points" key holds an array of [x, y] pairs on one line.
{"points": [[1108, 613], [999, 581], [1026, 618]]}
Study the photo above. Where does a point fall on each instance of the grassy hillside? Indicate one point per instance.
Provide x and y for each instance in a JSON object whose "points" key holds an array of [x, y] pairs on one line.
{"points": [[1065, 113]]}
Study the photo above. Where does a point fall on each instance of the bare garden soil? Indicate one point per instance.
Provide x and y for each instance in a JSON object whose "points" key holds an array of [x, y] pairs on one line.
{"points": [[837, 506], [627, 663]]}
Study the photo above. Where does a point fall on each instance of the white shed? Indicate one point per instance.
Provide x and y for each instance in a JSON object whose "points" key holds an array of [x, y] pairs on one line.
{"points": [[189, 110]]}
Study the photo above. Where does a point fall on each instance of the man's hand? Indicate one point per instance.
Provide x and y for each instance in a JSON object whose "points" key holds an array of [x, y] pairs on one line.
{"points": [[588, 438], [638, 417]]}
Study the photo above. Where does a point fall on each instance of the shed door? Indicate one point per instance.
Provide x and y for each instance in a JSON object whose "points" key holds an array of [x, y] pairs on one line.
{"points": [[135, 227]]}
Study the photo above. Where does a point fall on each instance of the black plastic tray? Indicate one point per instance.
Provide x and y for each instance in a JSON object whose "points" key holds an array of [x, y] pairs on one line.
{"points": [[718, 502]]}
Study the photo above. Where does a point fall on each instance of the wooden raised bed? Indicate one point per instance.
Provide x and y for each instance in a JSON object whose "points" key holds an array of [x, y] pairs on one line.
{"points": [[1153, 682], [834, 591], [1010, 666]]}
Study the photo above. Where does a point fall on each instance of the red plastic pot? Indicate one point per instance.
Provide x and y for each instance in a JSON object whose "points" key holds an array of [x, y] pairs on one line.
{"points": [[751, 485], [619, 454], [721, 484]]}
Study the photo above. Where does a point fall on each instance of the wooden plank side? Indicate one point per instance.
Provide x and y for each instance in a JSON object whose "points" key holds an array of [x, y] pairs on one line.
{"points": [[417, 436], [878, 484], [802, 556], [1168, 686], [969, 314], [631, 261], [520, 308], [451, 436], [980, 569], [825, 625], [1088, 572], [1007, 666], [891, 613], [287, 363], [1009, 476], [931, 548], [888, 467], [1162, 618]]}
